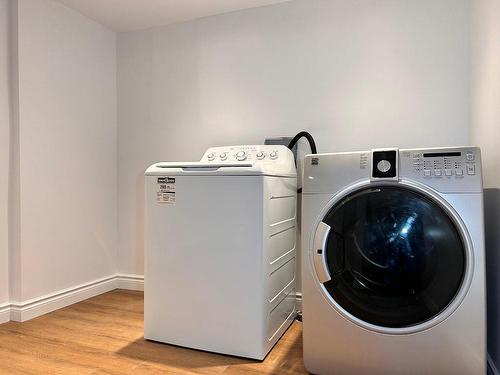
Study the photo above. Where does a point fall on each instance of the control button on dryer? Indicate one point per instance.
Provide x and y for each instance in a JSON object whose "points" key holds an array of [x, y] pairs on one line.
{"points": [[273, 155], [427, 172], [438, 172], [471, 169], [260, 155], [384, 165], [469, 156], [211, 156], [459, 172], [448, 172], [223, 156]]}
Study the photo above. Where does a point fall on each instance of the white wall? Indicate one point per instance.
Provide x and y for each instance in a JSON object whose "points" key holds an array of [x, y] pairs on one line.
{"points": [[485, 87], [4, 149], [485, 132], [67, 146], [357, 74]]}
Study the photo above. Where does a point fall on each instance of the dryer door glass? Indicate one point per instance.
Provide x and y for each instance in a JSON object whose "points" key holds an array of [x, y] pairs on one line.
{"points": [[395, 257]]}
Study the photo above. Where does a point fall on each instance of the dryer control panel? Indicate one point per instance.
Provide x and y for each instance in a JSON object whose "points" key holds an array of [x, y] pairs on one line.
{"points": [[447, 170], [447, 164], [459, 167]]}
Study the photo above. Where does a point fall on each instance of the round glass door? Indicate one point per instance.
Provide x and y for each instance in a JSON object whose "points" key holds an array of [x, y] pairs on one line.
{"points": [[395, 257]]}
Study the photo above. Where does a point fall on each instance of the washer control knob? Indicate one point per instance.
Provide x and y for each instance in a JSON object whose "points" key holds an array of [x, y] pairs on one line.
{"points": [[211, 156], [384, 166], [241, 155], [223, 156], [260, 155], [273, 155]]}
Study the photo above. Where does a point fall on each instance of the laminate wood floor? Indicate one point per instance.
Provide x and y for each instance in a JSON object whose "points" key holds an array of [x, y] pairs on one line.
{"points": [[104, 335]]}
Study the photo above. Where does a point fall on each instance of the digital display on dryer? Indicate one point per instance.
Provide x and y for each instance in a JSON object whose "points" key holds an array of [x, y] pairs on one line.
{"points": [[441, 154]]}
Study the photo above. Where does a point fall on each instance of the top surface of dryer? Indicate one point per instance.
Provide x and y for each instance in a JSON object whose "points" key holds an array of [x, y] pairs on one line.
{"points": [[447, 170], [244, 160]]}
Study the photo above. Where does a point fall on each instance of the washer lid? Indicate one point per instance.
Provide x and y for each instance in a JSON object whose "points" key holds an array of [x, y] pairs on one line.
{"points": [[270, 160], [198, 168]]}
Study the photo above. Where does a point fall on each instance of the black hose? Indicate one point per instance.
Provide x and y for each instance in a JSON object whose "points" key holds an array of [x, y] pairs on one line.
{"points": [[309, 138], [312, 144]]}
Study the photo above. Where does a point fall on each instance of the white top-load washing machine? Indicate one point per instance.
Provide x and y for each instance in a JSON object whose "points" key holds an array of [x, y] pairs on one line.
{"points": [[220, 250], [393, 262]]}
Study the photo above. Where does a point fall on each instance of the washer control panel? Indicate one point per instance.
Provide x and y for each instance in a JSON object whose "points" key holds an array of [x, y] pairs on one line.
{"points": [[250, 154]]}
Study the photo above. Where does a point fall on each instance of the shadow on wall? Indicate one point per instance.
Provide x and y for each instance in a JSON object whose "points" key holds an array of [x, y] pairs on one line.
{"points": [[492, 227]]}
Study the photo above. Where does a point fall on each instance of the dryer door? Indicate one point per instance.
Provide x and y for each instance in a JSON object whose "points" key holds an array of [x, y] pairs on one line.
{"points": [[392, 257]]}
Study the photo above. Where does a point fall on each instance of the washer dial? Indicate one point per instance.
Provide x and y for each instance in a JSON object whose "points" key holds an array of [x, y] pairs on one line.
{"points": [[241, 155]]}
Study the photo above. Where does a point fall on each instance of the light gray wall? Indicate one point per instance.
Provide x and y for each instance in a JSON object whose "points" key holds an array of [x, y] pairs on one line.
{"points": [[4, 149], [66, 107], [485, 132], [356, 74]]}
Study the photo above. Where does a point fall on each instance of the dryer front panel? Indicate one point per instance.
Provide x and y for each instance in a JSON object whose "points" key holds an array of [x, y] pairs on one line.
{"points": [[390, 256]]}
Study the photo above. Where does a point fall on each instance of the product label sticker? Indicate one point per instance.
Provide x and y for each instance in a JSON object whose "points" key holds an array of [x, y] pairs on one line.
{"points": [[165, 192]]}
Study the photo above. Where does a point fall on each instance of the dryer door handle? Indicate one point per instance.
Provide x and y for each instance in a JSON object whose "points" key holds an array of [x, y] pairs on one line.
{"points": [[319, 252]]}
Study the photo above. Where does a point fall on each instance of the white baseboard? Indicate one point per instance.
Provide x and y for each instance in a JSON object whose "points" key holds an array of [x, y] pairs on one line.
{"points": [[492, 366], [130, 282], [26, 310], [4, 313]]}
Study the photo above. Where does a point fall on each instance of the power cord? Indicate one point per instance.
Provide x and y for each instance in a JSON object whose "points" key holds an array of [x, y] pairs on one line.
{"points": [[312, 144], [314, 150], [309, 138]]}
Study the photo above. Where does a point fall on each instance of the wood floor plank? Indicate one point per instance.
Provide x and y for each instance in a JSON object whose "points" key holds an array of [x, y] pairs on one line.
{"points": [[104, 336]]}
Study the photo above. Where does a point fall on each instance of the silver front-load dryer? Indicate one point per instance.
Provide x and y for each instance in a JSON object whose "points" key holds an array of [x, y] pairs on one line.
{"points": [[393, 262]]}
